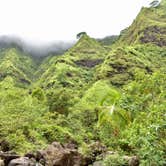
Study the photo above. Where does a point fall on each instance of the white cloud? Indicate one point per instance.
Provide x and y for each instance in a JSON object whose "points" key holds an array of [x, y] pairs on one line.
{"points": [[48, 20]]}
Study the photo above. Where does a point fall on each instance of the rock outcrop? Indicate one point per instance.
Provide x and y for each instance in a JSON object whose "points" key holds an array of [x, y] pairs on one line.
{"points": [[6, 157], [56, 154]]}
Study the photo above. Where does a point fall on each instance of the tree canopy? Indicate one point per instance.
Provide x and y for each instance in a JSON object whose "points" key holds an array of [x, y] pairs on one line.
{"points": [[154, 3], [81, 34]]}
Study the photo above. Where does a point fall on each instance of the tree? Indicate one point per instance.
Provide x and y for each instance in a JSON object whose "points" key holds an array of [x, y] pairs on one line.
{"points": [[59, 100], [81, 34], [154, 3]]}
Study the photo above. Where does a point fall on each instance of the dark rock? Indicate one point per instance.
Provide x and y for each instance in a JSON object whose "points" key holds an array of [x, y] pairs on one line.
{"points": [[119, 68], [8, 156], [69, 74], [88, 62], [57, 155], [97, 148], [155, 35], [39, 156], [71, 145], [149, 70], [96, 151], [60, 61], [30, 155], [22, 161], [23, 80]]}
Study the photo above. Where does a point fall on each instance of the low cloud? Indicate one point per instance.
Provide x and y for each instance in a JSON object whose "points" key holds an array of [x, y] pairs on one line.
{"points": [[37, 50]]}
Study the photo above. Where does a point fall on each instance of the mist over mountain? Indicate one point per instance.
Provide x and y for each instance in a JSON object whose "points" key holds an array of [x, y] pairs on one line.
{"points": [[36, 49], [43, 50]]}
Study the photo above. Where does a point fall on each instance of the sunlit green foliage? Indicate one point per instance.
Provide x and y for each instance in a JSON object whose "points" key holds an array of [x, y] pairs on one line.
{"points": [[91, 93]]}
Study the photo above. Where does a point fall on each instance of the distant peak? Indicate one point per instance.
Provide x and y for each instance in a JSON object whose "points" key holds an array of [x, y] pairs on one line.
{"points": [[85, 37], [87, 45]]}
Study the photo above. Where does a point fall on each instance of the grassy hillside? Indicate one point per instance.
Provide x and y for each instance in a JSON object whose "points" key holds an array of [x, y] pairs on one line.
{"points": [[91, 94]]}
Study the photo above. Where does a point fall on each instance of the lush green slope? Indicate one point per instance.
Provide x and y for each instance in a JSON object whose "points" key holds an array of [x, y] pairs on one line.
{"points": [[123, 64], [148, 27], [91, 93], [17, 65]]}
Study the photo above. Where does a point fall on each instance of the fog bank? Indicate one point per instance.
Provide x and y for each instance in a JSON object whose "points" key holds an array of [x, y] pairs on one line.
{"points": [[36, 49]]}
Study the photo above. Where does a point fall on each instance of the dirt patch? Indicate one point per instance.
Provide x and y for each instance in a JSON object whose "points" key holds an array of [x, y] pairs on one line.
{"points": [[89, 62], [119, 68], [24, 81], [155, 35]]}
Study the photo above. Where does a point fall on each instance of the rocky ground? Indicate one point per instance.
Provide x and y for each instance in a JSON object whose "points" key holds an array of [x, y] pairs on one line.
{"points": [[57, 154]]}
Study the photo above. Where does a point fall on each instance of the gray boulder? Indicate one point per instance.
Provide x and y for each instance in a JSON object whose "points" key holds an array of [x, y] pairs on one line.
{"points": [[22, 161]]}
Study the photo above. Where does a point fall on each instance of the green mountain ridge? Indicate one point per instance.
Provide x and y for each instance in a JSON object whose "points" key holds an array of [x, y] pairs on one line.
{"points": [[113, 94], [148, 27]]}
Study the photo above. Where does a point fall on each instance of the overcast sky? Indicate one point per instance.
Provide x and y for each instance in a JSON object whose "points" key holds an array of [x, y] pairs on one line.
{"points": [[41, 21]]}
